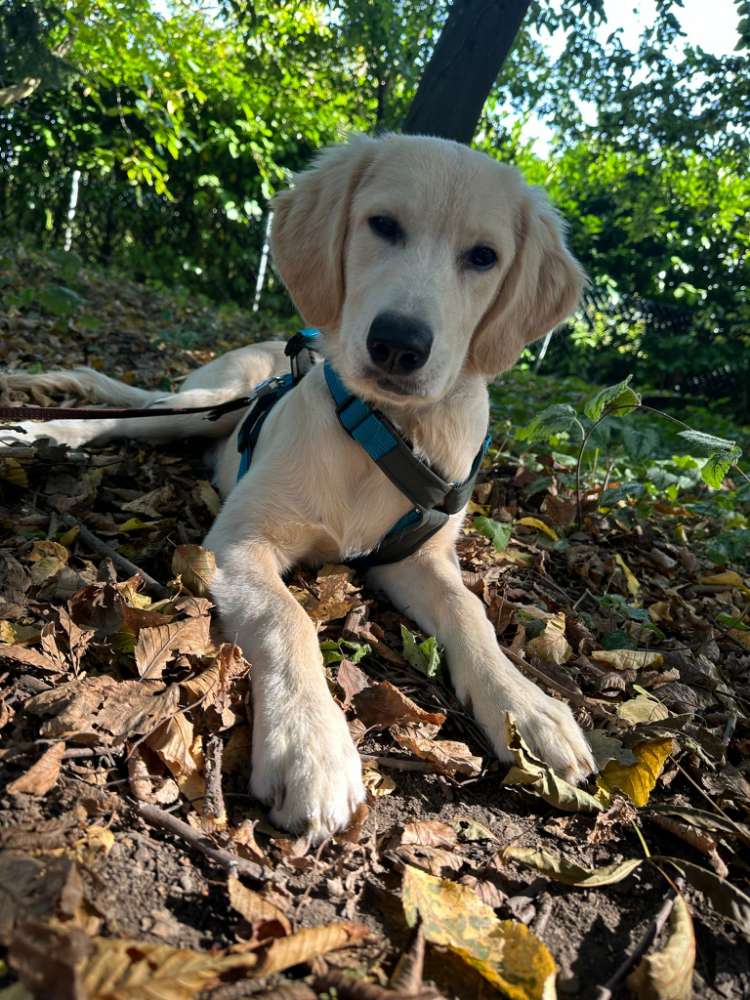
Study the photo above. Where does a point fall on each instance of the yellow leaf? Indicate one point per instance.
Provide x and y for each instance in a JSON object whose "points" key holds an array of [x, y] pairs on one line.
{"points": [[727, 579], [504, 952], [637, 781], [477, 508], [535, 522], [376, 783], [627, 659], [681, 534], [13, 472], [634, 588], [642, 709], [136, 524], [182, 752], [668, 974]]}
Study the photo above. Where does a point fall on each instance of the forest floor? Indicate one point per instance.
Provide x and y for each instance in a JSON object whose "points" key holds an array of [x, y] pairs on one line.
{"points": [[122, 712]]}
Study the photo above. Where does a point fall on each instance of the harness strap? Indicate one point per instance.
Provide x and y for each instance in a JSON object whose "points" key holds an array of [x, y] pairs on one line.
{"points": [[392, 453]]}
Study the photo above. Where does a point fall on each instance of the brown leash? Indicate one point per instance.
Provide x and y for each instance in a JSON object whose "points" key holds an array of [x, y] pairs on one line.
{"points": [[96, 413]]}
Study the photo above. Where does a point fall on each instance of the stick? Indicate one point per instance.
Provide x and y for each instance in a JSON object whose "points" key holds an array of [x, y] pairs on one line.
{"points": [[213, 804], [569, 693], [605, 992], [225, 859], [95, 543], [398, 763]]}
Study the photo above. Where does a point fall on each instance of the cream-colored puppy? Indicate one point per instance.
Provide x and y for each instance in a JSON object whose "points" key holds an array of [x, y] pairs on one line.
{"points": [[429, 267]]}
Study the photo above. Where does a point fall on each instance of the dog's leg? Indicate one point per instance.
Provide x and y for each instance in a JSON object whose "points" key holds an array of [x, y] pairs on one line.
{"points": [[304, 763], [428, 587]]}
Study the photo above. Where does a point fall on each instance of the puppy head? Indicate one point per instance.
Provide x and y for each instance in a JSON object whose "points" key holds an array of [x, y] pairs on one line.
{"points": [[421, 258]]}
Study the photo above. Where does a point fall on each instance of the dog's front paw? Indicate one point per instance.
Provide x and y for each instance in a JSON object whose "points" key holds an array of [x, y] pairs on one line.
{"points": [[546, 725], [308, 770]]}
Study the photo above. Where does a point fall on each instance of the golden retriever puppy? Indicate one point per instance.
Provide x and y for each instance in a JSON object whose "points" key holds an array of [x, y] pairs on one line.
{"points": [[428, 267]]}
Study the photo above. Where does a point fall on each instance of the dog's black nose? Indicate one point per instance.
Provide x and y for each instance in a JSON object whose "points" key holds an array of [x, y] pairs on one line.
{"points": [[399, 344]]}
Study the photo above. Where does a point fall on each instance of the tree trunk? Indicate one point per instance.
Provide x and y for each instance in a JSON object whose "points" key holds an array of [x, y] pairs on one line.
{"points": [[470, 52]]}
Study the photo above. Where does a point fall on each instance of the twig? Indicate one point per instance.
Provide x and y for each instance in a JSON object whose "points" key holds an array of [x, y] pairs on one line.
{"points": [[398, 763], [569, 693], [78, 752], [214, 802], [349, 988], [605, 992], [225, 859], [94, 542]]}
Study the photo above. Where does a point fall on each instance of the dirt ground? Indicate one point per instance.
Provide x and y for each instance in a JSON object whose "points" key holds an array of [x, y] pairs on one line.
{"points": [[80, 863]]}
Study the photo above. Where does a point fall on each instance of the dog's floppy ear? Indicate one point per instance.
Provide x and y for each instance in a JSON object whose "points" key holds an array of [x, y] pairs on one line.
{"points": [[309, 230], [541, 287]]}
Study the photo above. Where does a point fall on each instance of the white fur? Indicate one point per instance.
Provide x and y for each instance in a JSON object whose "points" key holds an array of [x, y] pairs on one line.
{"points": [[312, 495]]}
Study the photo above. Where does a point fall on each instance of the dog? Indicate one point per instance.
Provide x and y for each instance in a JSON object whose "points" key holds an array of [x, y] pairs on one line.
{"points": [[428, 267]]}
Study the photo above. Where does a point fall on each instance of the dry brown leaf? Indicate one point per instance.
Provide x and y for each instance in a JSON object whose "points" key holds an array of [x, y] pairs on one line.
{"points": [[254, 907], [435, 860], [351, 680], [336, 594], [382, 705], [667, 974], [41, 776], [32, 658], [447, 756], [146, 787], [429, 833], [102, 710], [196, 567], [176, 744], [215, 687], [551, 644], [307, 944], [155, 647]]}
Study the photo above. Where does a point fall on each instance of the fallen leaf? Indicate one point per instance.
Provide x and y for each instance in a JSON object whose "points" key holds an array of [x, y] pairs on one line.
{"points": [[100, 709], [449, 757], [175, 743], [146, 787], [556, 867], [143, 970], [429, 833], [541, 780], [725, 898], [41, 776], [377, 784], [196, 567], [667, 974], [382, 705], [32, 658], [156, 646], [535, 522], [606, 748], [308, 943], [551, 644], [254, 907], [351, 680], [336, 594], [504, 952], [642, 710], [627, 659], [634, 587], [423, 656], [637, 780]]}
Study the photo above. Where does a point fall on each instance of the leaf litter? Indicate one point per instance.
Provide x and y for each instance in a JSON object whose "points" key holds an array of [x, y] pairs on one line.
{"points": [[113, 693]]}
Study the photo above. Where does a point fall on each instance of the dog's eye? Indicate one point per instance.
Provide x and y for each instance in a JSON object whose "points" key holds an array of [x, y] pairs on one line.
{"points": [[481, 258], [385, 227]]}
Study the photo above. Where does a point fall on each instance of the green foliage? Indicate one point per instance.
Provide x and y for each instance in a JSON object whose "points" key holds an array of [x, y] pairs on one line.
{"points": [[635, 460], [423, 656], [498, 533]]}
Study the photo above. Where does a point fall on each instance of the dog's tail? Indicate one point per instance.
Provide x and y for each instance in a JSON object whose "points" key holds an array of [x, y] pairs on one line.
{"points": [[84, 382]]}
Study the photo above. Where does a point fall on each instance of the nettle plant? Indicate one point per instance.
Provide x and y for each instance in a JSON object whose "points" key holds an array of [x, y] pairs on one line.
{"points": [[645, 453]]}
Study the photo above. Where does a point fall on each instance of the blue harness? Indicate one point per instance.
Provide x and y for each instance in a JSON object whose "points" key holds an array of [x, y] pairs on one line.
{"points": [[434, 499]]}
